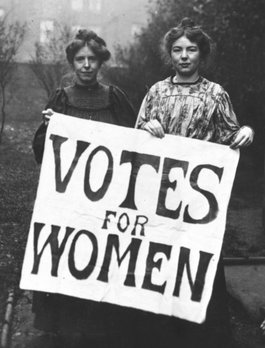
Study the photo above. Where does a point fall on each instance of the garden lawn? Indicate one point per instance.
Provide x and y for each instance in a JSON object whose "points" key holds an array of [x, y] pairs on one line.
{"points": [[18, 184]]}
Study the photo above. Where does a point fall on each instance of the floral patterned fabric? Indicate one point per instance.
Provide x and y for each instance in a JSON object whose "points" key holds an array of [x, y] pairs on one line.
{"points": [[200, 110]]}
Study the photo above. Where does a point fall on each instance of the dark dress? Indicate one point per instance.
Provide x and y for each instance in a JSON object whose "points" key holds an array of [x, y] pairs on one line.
{"points": [[102, 324], [98, 103], [160, 331]]}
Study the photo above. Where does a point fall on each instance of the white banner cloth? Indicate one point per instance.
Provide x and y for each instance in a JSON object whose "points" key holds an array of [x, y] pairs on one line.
{"points": [[127, 218]]}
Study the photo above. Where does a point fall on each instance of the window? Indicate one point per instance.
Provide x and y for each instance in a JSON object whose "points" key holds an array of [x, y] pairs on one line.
{"points": [[46, 28], [95, 5], [135, 30], [2, 13], [77, 5]]}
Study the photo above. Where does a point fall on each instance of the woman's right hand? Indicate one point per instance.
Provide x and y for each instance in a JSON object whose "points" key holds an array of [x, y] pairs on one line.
{"points": [[46, 115], [155, 128]]}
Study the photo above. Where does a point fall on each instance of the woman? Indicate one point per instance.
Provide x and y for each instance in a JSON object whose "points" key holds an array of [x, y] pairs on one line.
{"points": [[87, 98], [80, 322], [189, 105]]}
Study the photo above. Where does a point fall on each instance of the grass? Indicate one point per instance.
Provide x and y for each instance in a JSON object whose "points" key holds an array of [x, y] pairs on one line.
{"points": [[18, 182], [246, 332]]}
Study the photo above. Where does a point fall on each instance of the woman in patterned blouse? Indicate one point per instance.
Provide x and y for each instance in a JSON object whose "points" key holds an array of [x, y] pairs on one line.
{"points": [[189, 105]]}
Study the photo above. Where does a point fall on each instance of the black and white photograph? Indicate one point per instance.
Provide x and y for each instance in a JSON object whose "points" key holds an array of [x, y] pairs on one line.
{"points": [[132, 174]]}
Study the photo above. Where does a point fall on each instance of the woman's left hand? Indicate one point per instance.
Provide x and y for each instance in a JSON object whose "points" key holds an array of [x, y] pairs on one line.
{"points": [[46, 115], [244, 137]]}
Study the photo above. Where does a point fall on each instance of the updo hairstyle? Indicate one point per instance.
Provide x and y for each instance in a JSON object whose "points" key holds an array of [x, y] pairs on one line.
{"points": [[194, 33], [92, 40]]}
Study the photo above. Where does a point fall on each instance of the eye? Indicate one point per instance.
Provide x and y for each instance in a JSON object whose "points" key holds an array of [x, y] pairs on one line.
{"points": [[92, 59], [193, 49], [79, 59]]}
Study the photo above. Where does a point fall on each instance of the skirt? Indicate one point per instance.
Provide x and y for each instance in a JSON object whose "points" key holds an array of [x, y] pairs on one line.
{"points": [[106, 325]]}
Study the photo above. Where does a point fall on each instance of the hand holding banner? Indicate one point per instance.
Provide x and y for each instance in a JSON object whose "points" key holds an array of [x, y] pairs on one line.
{"points": [[129, 218]]}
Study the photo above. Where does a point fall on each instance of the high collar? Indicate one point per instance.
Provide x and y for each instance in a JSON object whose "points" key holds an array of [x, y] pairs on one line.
{"points": [[87, 87], [199, 79]]}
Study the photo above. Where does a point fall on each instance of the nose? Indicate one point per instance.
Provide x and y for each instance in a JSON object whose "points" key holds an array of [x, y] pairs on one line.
{"points": [[184, 55], [86, 63]]}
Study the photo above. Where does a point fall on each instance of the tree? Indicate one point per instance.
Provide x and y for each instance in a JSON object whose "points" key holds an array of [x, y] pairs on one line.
{"points": [[11, 37], [238, 29], [49, 63], [141, 62]]}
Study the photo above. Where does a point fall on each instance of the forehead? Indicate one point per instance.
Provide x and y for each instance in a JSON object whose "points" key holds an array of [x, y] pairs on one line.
{"points": [[85, 51], [183, 41]]}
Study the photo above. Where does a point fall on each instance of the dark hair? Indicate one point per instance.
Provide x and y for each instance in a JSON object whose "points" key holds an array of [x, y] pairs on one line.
{"points": [[193, 33], [90, 38]]}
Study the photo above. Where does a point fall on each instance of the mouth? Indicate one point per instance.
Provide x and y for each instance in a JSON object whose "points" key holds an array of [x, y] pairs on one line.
{"points": [[185, 65]]}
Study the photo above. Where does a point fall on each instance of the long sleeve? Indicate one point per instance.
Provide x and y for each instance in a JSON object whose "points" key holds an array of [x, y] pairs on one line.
{"points": [[224, 120], [150, 107], [122, 108], [142, 117], [57, 102]]}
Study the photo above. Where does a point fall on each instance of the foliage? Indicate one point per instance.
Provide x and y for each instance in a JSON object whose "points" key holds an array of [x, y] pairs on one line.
{"points": [[237, 28], [238, 31], [11, 37], [142, 61], [49, 62]]}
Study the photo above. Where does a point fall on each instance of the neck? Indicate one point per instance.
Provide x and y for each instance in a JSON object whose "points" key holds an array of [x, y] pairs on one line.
{"points": [[89, 84], [186, 79]]}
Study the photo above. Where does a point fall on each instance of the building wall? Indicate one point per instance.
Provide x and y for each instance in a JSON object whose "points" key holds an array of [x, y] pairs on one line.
{"points": [[116, 21]]}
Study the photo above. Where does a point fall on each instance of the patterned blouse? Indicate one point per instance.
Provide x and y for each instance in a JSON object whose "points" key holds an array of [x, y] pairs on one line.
{"points": [[200, 110]]}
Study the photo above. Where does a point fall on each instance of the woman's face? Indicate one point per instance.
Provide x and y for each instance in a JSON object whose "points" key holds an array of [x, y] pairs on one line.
{"points": [[86, 66], [185, 56]]}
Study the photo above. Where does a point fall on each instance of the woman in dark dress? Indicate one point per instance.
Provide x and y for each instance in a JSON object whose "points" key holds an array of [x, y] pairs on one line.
{"points": [[79, 322], [187, 104], [87, 98]]}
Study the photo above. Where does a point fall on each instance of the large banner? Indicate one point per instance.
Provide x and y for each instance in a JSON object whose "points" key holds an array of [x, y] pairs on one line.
{"points": [[127, 218]]}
